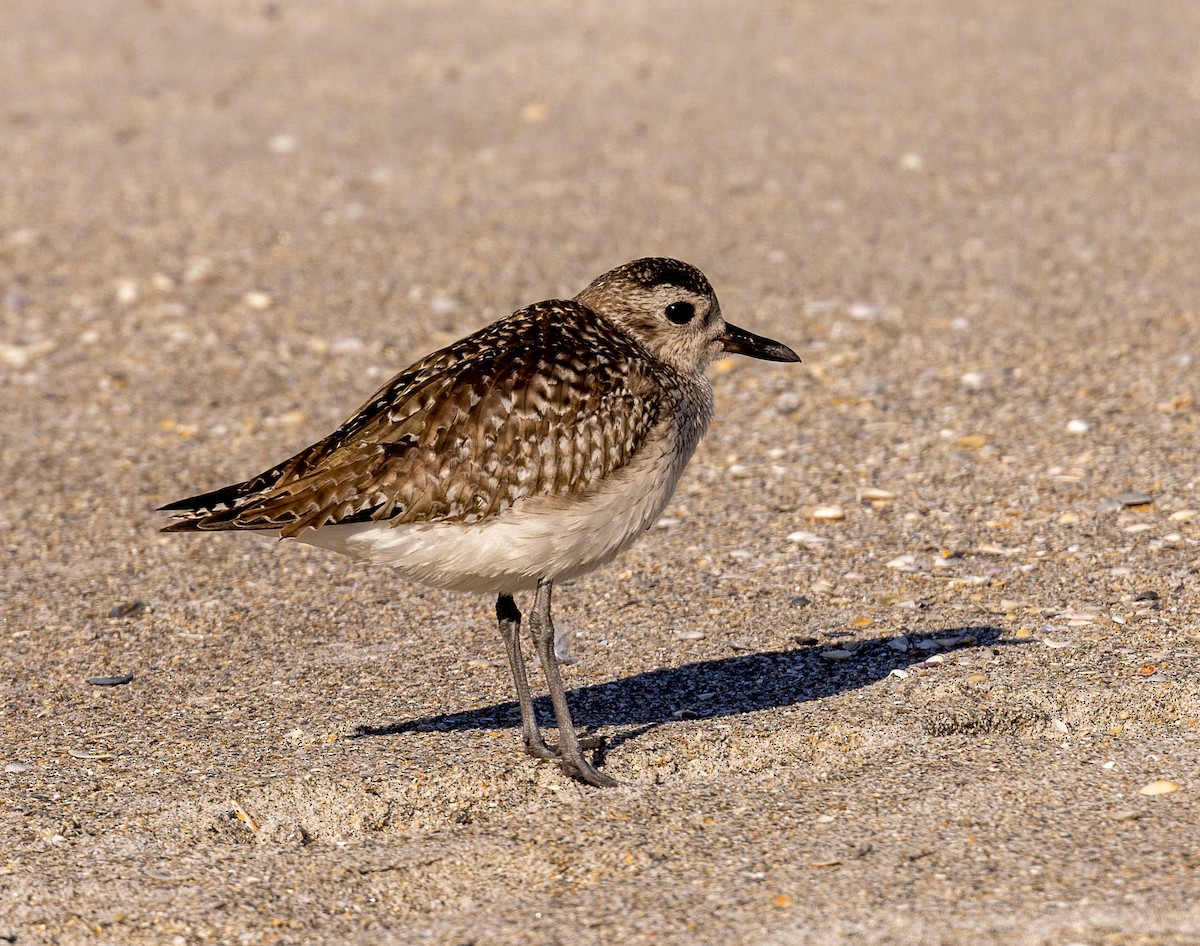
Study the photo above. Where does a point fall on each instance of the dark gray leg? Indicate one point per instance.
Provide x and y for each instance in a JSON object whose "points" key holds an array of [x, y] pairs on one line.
{"points": [[570, 754], [510, 627]]}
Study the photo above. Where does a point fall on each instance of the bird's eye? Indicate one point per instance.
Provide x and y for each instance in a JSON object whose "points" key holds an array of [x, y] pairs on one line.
{"points": [[680, 312]]}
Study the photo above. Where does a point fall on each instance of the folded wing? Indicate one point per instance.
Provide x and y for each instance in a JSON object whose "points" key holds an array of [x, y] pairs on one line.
{"points": [[538, 404]]}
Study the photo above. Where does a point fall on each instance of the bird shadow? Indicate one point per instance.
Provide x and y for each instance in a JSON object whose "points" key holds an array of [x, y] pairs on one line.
{"points": [[713, 689]]}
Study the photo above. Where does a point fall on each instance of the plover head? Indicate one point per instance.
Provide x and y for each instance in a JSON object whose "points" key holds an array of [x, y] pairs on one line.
{"points": [[670, 308]]}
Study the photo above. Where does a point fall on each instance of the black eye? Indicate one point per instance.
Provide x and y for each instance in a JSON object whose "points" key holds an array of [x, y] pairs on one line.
{"points": [[680, 312]]}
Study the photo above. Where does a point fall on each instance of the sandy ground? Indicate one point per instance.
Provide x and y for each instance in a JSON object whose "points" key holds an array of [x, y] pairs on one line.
{"points": [[932, 720]]}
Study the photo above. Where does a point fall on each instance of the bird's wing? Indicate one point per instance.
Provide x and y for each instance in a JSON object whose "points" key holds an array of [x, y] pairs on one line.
{"points": [[545, 402]]}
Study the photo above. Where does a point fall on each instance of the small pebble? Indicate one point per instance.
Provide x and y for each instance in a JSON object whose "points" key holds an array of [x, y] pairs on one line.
{"points": [[258, 300], [864, 311], [18, 356], [292, 418], [93, 756], [283, 144], [16, 768], [1078, 427], [22, 237], [972, 380], [1183, 515], [127, 291], [1134, 499], [788, 402], [346, 345], [200, 269], [902, 674], [898, 643], [534, 112], [690, 635], [1159, 787], [835, 655], [127, 609], [827, 513], [807, 538], [116, 681]]}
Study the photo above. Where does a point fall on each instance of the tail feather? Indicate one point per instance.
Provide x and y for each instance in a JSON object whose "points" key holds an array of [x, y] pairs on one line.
{"points": [[213, 511], [208, 502]]}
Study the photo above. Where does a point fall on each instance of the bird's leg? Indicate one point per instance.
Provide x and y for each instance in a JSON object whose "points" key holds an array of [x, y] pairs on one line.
{"points": [[509, 617], [570, 752]]}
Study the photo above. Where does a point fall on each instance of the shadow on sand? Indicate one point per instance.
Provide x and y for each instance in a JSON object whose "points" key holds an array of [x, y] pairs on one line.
{"points": [[712, 689]]}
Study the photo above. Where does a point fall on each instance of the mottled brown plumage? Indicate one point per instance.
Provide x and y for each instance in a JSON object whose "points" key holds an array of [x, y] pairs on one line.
{"points": [[545, 402], [538, 448]]}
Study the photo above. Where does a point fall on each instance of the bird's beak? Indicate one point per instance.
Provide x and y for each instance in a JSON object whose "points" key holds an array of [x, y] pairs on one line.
{"points": [[740, 342]]}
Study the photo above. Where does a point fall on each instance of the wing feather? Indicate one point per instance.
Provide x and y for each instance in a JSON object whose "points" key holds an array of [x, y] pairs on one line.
{"points": [[514, 411]]}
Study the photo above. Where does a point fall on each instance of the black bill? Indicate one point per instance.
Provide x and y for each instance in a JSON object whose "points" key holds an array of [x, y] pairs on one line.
{"points": [[740, 342]]}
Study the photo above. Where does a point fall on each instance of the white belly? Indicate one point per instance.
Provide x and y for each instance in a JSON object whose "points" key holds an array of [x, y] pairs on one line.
{"points": [[545, 537]]}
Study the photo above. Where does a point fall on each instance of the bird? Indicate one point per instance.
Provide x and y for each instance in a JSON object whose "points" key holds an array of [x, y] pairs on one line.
{"points": [[531, 452]]}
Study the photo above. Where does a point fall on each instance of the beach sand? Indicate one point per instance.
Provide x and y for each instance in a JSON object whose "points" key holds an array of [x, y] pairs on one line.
{"points": [[912, 657]]}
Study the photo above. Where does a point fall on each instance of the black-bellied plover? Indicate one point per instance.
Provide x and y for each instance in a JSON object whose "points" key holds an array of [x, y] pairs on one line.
{"points": [[537, 449]]}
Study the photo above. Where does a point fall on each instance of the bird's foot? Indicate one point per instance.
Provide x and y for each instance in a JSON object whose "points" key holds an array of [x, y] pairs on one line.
{"points": [[571, 761], [540, 749], [583, 770]]}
